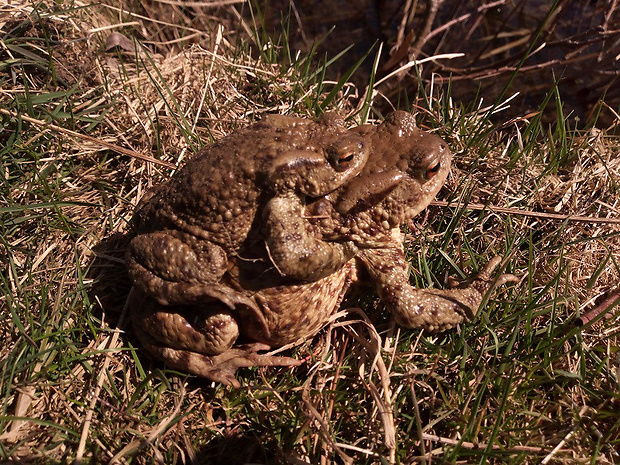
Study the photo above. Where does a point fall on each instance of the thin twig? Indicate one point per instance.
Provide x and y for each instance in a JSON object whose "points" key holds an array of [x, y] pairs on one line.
{"points": [[482, 445], [460, 19], [420, 40], [543, 215], [596, 311]]}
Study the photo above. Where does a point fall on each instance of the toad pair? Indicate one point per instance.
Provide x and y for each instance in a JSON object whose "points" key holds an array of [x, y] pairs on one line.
{"points": [[258, 238]]}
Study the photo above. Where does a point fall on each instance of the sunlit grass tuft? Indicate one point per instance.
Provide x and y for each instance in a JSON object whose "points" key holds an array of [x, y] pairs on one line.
{"points": [[522, 383]]}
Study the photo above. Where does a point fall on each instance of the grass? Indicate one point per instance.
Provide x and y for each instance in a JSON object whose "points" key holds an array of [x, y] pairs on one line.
{"points": [[522, 383]]}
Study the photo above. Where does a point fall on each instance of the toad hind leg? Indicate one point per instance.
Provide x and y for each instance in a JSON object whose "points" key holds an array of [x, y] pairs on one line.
{"points": [[197, 340], [174, 267], [429, 309], [220, 368]]}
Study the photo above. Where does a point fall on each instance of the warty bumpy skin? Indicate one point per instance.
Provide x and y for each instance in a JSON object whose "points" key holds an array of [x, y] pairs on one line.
{"points": [[359, 222]]}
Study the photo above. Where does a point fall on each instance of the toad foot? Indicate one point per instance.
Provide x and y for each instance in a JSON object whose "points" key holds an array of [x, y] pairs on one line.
{"points": [[430, 309], [482, 283], [220, 368]]}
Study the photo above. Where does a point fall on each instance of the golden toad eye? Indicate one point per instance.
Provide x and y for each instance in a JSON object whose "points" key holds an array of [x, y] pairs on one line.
{"points": [[345, 154], [346, 158], [432, 170]]}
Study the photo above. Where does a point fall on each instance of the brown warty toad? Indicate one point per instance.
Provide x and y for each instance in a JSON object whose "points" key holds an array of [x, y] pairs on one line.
{"points": [[265, 308]]}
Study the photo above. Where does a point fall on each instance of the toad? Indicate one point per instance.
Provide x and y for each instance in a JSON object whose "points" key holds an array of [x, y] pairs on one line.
{"points": [[370, 209], [188, 228], [406, 169]]}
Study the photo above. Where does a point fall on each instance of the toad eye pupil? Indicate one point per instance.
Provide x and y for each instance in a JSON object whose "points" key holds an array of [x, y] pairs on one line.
{"points": [[346, 158], [433, 170]]}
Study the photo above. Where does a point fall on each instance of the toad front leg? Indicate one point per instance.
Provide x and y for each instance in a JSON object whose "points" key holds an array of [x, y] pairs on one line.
{"points": [[197, 340], [429, 309], [294, 248]]}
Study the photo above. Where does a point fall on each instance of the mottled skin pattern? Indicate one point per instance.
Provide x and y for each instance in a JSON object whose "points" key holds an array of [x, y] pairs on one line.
{"points": [[406, 169], [199, 339], [188, 228]]}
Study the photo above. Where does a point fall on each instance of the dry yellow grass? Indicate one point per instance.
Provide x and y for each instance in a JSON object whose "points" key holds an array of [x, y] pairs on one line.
{"points": [[521, 385]]}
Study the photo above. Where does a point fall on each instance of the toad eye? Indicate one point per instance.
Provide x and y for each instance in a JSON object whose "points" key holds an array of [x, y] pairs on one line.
{"points": [[345, 155], [345, 159], [342, 160], [432, 169]]}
